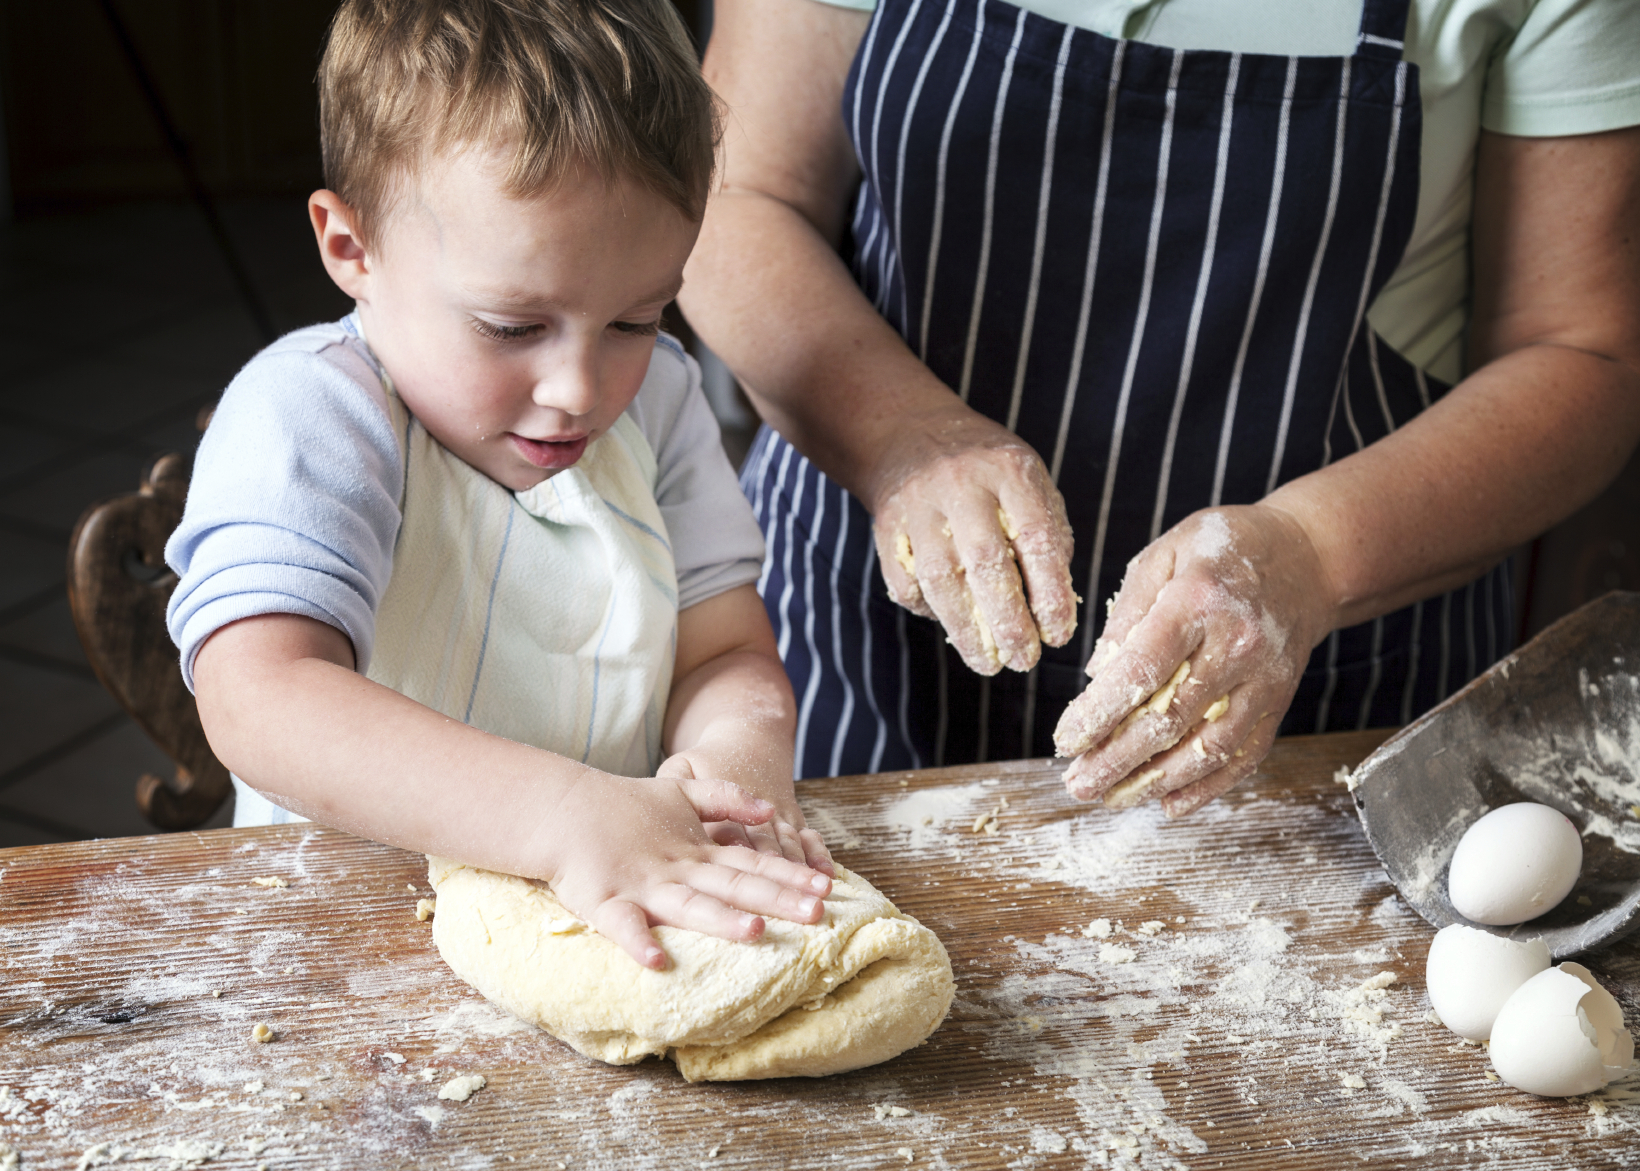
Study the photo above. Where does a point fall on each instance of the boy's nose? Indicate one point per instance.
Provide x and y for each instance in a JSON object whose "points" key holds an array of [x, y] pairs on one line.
{"points": [[571, 386]]}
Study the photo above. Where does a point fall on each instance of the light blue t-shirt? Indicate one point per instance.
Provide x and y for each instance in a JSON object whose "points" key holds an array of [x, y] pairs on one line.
{"points": [[294, 505]]}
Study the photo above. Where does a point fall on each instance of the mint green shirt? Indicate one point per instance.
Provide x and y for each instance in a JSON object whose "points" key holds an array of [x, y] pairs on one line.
{"points": [[1538, 68]]}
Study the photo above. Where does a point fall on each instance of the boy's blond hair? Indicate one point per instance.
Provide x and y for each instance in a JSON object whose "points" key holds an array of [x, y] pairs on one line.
{"points": [[611, 85]]}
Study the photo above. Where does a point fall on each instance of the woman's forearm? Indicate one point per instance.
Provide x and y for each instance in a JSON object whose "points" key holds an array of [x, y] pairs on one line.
{"points": [[1552, 409], [1513, 449]]}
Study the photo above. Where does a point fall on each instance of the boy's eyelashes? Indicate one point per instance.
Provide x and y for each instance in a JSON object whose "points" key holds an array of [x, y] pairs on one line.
{"points": [[511, 333], [503, 333]]}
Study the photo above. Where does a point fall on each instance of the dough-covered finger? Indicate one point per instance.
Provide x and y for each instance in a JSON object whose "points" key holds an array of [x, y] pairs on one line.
{"points": [[626, 925], [995, 587], [1141, 684], [1204, 749], [898, 561], [1036, 527], [945, 585], [1243, 763]]}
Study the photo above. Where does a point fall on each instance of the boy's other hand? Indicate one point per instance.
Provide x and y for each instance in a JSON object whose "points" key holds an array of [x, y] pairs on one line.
{"points": [[631, 853], [785, 834]]}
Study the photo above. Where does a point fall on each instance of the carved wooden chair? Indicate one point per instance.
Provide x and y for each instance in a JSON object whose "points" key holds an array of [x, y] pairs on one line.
{"points": [[118, 588]]}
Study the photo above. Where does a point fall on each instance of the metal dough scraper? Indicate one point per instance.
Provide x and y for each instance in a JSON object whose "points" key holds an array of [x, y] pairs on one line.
{"points": [[1557, 722]]}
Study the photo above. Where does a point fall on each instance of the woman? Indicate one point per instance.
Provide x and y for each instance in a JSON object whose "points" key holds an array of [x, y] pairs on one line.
{"points": [[983, 271]]}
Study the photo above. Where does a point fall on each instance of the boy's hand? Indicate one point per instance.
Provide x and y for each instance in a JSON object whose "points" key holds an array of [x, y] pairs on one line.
{"points": [[630, 853], [785, 834]]}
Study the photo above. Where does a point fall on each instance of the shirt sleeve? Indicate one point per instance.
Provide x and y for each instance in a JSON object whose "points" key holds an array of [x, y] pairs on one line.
{"points": [[716, 543], [1568, 69], [293, 507]]}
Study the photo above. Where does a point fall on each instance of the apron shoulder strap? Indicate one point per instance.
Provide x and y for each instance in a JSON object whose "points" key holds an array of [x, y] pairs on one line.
{"points": [[1383, 29]]}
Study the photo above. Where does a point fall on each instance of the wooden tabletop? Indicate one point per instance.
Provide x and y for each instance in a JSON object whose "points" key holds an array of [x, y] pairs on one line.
{"points": [[1234, 1015]]}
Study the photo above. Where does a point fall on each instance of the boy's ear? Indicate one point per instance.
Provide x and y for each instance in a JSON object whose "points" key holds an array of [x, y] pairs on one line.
{"points": [[340, 249]]}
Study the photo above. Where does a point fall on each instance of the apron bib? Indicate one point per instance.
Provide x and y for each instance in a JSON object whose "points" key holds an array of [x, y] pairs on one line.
{"points": [[548, 616], [1154, 266]]}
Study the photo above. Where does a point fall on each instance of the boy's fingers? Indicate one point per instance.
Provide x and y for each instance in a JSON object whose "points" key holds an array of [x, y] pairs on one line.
{"points": [[626, 924], [815, 853], [676, 768], [727, 833], [726, 801], [678, 905], [791, 875]]}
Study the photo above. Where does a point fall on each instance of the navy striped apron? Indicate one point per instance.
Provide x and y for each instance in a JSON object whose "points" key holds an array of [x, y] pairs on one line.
{"points": [[1154, 266]]}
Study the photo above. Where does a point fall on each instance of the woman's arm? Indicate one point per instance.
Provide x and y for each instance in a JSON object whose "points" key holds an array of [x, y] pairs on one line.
{"points": [[767, 290], [284, 709], [1547, 418]]}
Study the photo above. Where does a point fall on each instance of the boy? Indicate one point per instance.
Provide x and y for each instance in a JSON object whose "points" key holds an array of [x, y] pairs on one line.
{"points": [[457, 569]]}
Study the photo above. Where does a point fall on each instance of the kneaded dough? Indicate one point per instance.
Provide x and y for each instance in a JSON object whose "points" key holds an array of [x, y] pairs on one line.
{"points": [[864, 984]]}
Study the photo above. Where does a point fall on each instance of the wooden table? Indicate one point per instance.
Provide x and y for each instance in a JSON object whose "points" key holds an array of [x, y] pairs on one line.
{"points": [[1231, 1018]]}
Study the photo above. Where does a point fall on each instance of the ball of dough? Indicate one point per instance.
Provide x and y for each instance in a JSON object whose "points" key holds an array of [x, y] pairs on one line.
{"points": [[864, 984]]}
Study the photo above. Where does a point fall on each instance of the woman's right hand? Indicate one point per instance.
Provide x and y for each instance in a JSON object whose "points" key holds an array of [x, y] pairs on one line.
{"points": [[971, 531]]}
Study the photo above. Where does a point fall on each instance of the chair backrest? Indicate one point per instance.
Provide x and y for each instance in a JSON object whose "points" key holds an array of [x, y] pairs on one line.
{"points": [[118, 588]]}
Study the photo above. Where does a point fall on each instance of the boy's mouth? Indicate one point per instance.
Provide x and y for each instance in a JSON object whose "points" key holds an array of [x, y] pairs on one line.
{"points": [[556, 454]]}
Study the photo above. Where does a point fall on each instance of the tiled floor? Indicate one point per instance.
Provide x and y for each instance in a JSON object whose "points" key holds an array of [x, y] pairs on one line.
{"points": [[116, 326]]}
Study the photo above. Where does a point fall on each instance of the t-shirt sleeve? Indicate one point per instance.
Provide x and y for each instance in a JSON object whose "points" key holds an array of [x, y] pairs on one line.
{"points": [[1569, 69], [716, 543], [293, 507]]}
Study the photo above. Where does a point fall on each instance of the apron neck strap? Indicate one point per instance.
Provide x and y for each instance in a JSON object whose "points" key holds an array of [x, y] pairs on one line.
{"points": [[1383, 29]]}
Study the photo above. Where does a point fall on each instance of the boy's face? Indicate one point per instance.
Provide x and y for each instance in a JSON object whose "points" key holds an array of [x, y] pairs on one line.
{"points": [[516, 330]]}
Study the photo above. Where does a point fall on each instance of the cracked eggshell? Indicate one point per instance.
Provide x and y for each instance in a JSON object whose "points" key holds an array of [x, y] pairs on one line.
{"points": [[1514, 864], [1471, 973], [1561, 1034]]}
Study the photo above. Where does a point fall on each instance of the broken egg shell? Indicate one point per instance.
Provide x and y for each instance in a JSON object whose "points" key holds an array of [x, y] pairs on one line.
{"points": [[1471, 973], [1561, 1034], [1514, 864]]}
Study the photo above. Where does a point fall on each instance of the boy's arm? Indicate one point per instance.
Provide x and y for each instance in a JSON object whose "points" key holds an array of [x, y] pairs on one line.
{"points": [[284, 709], [732, 717]]}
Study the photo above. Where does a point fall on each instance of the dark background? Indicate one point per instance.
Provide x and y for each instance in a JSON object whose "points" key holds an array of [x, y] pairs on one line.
{"points": [[152, 238]]}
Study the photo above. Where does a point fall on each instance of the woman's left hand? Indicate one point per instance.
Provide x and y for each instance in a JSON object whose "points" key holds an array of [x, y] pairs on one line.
{"points": [[1198, 662]]}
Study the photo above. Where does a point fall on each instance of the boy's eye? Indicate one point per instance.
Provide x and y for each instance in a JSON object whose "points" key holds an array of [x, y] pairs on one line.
{"points": [[503, 333], [638, 328]]}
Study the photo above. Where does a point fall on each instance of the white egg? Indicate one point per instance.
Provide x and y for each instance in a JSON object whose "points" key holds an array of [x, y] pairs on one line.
{"points": [[1470, 973], [1561, 1034], [1514, 864]]}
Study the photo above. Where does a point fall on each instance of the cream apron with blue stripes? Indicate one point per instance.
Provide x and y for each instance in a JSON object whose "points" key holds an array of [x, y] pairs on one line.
{"points": [[548, 617]]}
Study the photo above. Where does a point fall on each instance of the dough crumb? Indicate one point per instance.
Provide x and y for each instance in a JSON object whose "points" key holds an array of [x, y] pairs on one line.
{"points": [[1490, 1076], [271, 881], [1353, 1081], [425, 909], [1217, 708], [1098, 929], [1346, 778], [1584, 901], [261, 1033], [906, 1153], [10, 1157], [255, 1087], [296, 1095], [395, 1058], [1115, 953], [711, 1154], [1595, 1108], [563, 926], [884, 1110], [459, 1089], [1152, 927]]}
